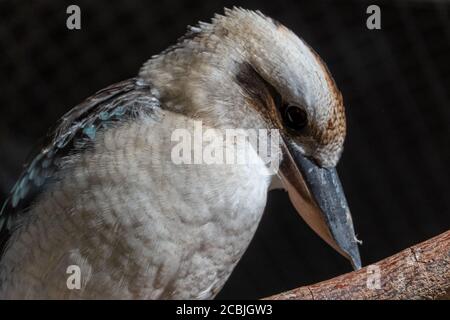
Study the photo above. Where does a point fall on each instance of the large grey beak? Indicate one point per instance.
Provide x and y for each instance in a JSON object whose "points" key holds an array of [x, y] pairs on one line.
{"points": [[318, 196]]}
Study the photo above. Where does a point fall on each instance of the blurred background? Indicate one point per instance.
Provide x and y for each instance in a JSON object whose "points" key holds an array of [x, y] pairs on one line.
{"points": [[395, 82]]}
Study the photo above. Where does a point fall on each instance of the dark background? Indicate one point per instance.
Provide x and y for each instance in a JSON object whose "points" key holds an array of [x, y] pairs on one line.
{"points": [[395, 82]]}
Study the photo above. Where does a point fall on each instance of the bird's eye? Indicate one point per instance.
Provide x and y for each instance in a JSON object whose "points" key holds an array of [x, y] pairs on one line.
{"points": [[295, 117]]}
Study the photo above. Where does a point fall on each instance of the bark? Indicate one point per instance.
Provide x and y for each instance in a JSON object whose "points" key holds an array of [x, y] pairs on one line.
{"points": [[419, 272]]}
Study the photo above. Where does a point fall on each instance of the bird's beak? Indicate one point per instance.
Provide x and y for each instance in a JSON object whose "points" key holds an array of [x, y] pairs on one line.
{"points": [[318, 196]]}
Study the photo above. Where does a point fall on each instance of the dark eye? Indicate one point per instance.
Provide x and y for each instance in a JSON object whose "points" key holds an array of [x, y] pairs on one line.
{"points": [[295, 117]]}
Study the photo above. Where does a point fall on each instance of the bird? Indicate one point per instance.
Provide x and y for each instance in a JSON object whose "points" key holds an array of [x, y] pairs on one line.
{"points": [[104, 195]]}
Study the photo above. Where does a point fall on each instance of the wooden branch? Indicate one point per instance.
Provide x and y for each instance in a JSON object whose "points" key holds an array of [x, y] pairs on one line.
{"points": [[419, 272]]}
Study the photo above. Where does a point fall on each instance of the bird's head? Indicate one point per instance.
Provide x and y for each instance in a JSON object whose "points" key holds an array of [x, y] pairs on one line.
{"points": [[245, 70]]}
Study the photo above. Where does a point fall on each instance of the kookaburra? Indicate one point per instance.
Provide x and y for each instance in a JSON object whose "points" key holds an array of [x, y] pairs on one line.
{"points": [[105, 195]]}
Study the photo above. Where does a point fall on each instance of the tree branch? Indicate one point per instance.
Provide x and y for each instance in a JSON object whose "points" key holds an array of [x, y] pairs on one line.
{"points": [[419, 272]]}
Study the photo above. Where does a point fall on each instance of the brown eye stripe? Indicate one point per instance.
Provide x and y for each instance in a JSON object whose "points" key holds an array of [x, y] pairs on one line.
{"points": [[261, 94]]}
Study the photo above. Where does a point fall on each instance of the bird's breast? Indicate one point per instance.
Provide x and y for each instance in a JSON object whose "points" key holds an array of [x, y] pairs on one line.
{"points": [[144, 214]]}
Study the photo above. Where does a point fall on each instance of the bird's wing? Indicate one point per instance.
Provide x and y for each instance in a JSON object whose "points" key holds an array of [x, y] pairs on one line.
{"points": [[73, 133]]}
